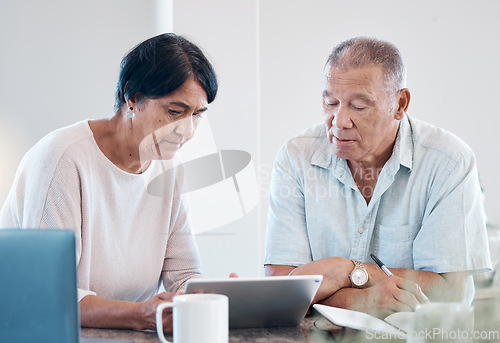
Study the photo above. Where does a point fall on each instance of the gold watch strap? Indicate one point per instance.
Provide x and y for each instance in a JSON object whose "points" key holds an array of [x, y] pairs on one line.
{"points": [[358, 264]]}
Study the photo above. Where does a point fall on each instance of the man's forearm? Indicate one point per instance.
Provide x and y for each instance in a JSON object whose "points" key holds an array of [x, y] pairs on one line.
{"points": [[393, 294], [444, 287], [278, 269], [402, 292], [437, 287], [336, 270]]}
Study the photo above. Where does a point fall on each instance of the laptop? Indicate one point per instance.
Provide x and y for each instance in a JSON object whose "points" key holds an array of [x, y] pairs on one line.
{"points": [[262, 301], [38, 292], [38, 287]]}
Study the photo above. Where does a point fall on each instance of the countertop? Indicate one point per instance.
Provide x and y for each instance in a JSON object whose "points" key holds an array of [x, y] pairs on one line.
{"points": [[314, 328]]}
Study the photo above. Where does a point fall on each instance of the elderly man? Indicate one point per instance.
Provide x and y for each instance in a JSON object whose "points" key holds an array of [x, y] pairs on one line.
{"points": [[373, 180]]}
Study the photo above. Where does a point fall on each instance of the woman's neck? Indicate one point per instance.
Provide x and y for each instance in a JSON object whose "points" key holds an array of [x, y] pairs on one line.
{"points": [[115, 138]]}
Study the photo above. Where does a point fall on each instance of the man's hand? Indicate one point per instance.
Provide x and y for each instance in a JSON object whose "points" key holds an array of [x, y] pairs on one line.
{"points": [[384, 294], [392, 294]]}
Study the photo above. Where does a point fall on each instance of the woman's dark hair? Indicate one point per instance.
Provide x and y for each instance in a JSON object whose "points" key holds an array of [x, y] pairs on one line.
{"points": [[160, 65]]}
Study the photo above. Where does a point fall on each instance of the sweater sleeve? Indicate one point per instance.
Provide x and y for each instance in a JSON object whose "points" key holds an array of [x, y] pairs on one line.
{"points": [[182, 260], [63, 207], [46, 194]]}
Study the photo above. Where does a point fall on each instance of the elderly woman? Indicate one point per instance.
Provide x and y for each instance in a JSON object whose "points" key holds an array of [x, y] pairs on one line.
{"points": [[92, 177]]}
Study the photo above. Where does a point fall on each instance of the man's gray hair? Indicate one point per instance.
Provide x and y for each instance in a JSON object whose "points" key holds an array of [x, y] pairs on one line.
{"points": [[363, 52]]}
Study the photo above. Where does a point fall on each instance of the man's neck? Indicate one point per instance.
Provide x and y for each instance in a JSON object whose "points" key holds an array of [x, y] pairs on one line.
{"points": [[365, 173]]}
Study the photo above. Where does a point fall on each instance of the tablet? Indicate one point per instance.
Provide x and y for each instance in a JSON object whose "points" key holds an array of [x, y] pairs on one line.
{"points": [[262, 301]]}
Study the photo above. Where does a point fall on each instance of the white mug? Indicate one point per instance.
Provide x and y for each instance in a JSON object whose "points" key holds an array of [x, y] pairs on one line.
{"points": [[442, 322], [196, 318]]}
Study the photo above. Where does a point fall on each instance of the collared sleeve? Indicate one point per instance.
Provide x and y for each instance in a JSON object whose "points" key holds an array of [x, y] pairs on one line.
{"points": [[287, 241], [453, 234]]}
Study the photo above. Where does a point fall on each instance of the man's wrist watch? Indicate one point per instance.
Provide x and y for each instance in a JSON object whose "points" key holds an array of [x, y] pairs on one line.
{"points": [[359, 275]]}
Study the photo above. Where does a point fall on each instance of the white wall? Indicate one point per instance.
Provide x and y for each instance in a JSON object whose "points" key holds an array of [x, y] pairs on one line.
{"points": [[59, 63], [450, 47], [227, 32]]}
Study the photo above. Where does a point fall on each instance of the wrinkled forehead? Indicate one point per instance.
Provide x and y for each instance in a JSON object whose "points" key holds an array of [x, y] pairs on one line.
{"points": [[362, 76]]}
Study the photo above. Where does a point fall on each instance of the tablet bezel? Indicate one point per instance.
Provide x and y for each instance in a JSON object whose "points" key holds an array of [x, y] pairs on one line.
{"points": [[262, 301]]}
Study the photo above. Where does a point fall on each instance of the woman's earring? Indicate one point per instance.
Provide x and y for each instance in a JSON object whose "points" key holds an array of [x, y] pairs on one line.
{"points": [[130, 112]]}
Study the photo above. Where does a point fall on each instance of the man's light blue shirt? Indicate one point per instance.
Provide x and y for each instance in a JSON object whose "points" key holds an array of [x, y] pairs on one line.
{"points": [[426, 212]]}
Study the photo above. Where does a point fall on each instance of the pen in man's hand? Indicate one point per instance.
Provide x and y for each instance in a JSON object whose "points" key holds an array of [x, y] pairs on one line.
{"points": [[381, 265]]}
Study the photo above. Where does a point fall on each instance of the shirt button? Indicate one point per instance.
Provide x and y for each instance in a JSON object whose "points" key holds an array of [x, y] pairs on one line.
{"points": [[361, 230]]}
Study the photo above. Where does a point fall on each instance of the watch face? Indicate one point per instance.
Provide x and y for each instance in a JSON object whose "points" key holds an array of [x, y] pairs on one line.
{"points": [[359, 277]]}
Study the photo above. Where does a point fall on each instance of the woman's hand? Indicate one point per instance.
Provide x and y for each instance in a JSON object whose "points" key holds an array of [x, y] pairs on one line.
{"points": [[148, 311]]}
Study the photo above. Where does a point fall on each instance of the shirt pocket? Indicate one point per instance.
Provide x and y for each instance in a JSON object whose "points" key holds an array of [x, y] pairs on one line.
{"points": [[394, 245]]}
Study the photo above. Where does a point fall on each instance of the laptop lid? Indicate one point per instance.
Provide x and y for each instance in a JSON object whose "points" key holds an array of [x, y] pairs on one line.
{"points": [[38, 286], [262, 301]]}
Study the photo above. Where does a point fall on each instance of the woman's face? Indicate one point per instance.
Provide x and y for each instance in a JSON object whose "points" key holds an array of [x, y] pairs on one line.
{"points": [[163, 125]]}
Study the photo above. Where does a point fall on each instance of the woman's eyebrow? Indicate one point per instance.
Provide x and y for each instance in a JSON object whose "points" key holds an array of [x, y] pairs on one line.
{"points": [[186, 106]]}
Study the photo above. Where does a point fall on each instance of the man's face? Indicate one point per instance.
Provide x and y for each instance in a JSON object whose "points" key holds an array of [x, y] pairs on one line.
{"points": [[360, 114]]}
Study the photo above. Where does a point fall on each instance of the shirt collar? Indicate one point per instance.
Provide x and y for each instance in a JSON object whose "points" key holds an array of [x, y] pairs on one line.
{"points": [[402, 153], [324, 157], [403, 148]]}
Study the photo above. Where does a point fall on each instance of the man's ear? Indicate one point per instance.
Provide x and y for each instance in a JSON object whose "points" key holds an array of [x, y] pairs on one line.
{"points": [[403, 103]]}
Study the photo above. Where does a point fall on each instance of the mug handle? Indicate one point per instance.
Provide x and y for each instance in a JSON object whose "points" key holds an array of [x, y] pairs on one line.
{"points": [[159, 320]]}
